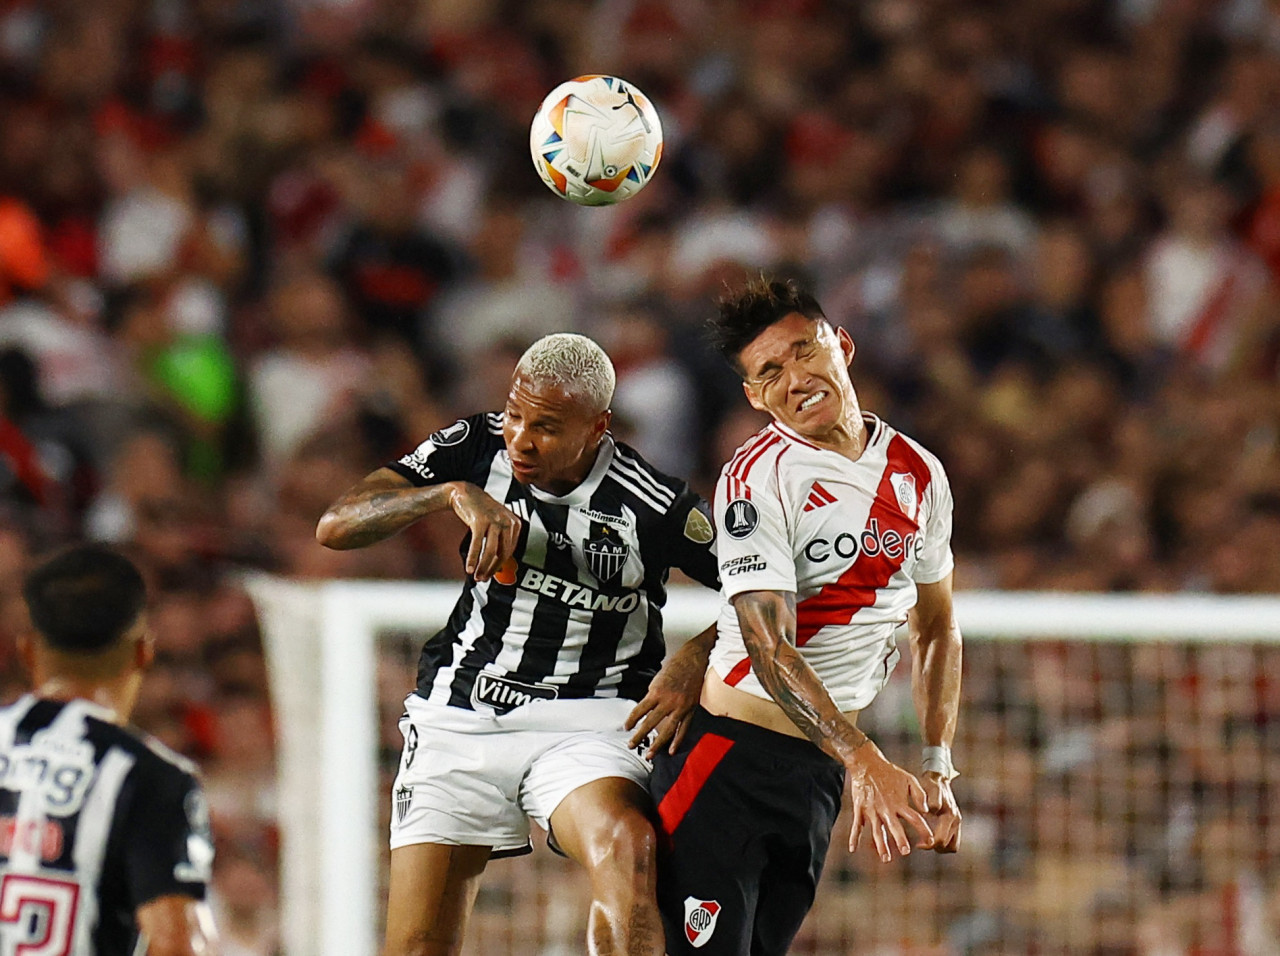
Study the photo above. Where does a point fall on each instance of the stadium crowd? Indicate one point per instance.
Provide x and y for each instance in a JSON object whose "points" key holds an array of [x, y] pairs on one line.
{"points": [[249, 250]]}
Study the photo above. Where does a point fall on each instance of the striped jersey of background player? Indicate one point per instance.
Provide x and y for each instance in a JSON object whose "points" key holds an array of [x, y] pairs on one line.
{"points": [[524, 698], [105, 847], [835, 529]]}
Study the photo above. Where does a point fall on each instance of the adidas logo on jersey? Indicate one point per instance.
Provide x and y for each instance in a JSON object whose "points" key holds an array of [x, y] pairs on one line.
{"points": [[819, 497]]}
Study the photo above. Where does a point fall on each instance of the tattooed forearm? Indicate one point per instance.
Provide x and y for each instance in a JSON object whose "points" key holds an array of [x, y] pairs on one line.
{"points": [[768, 622], [376, 509]]}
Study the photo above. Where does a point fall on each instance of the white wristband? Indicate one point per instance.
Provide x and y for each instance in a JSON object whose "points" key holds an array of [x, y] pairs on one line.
{"points": [[938, 760]]}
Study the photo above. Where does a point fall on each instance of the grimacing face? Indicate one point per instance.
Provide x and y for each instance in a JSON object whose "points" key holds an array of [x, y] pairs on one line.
{"points": [[797, 370], [551, 435]]}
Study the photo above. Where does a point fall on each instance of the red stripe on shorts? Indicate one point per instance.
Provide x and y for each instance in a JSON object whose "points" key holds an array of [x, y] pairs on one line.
{"points": [[702, 760]]}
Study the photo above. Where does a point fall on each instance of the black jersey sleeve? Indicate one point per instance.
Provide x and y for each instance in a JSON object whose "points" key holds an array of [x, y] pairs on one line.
{"points": [[166, 840], [691, 538], [451, 454]]}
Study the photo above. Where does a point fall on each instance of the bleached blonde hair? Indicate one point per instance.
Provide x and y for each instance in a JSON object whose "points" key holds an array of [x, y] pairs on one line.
{"points": [[573, 362]]}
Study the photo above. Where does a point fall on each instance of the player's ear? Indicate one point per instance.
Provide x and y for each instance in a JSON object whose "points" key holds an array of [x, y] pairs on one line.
{"points": [[846, 345], [602, 424], [753, 398]]}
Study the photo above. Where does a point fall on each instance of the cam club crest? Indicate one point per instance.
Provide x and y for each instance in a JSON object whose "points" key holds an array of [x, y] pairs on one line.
{"points": [[904, 488], [700, 920], [605, 551], [404, 797]]}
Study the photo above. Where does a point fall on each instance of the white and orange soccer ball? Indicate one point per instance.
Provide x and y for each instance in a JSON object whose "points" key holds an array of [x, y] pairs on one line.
{"points": [[596, 140]]}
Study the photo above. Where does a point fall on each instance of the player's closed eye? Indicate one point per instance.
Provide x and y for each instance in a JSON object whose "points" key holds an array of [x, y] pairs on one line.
{"points": [[804, 352]]}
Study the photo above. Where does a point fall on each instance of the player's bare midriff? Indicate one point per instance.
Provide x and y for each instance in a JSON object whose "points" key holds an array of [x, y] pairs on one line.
{"points": [[724, 701]]}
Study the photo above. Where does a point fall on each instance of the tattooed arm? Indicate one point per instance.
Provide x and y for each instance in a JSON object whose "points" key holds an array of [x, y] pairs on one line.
{"points": [[883, 795], [768, 623], [378, 507], [385, 503]]}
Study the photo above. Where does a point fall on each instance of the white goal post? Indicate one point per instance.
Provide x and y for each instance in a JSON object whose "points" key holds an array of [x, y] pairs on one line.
{"points": [[321, 646]]}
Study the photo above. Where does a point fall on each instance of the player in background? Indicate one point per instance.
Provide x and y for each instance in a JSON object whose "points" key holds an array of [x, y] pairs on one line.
{"points": [[834, 529], [524, 697], [104, 833]]}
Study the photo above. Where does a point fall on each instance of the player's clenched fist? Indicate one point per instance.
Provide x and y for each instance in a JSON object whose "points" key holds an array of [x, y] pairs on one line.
{"points": [[943, 811], [495, 529]]}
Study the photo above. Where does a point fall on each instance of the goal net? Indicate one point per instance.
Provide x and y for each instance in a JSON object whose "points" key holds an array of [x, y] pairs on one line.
{"points": [[1120, 761]]}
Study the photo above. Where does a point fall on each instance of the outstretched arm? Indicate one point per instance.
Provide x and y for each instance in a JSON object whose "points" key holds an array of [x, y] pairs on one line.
{"points": [[883, 794], [377, 507], [385, 503], [936, 651]]}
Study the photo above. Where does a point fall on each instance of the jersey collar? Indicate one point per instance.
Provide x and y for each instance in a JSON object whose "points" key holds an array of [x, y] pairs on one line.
{"points": [[83, 705], [581, 495], [874, 431]]}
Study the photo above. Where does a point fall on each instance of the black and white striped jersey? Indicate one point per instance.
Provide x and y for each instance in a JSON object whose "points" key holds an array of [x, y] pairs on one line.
{"points": [[579, 611], [95, 821]]}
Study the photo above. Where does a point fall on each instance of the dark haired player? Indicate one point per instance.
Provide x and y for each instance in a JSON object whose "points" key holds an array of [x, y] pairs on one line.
{"points": [[525, 696], [104, 838], [834, 529]]}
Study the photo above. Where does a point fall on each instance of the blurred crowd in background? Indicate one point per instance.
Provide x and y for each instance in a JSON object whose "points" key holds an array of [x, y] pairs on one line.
{"points": [[252, 249]]}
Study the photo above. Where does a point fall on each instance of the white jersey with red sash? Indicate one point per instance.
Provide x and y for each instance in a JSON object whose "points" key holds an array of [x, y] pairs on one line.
{"points": [[851, 539]]}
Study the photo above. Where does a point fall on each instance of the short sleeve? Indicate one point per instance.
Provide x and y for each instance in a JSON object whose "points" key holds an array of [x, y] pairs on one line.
{"points": [[691, 538], [168, 846], [447, 455], [753, 543], [935, 561]]}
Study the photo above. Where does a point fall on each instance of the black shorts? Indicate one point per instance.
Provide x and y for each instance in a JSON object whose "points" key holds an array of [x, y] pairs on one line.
{"points": [[745, 818]]}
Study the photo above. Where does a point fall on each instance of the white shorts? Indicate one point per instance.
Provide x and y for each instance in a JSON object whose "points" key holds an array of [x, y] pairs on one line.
{"points": [[472, 779]]}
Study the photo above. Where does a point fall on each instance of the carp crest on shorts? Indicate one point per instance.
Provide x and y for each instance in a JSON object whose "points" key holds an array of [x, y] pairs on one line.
{"points": [[700, 920]]}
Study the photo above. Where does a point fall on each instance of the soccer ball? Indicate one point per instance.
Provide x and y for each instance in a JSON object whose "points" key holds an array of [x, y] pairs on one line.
{"points": [[596, 140]]}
